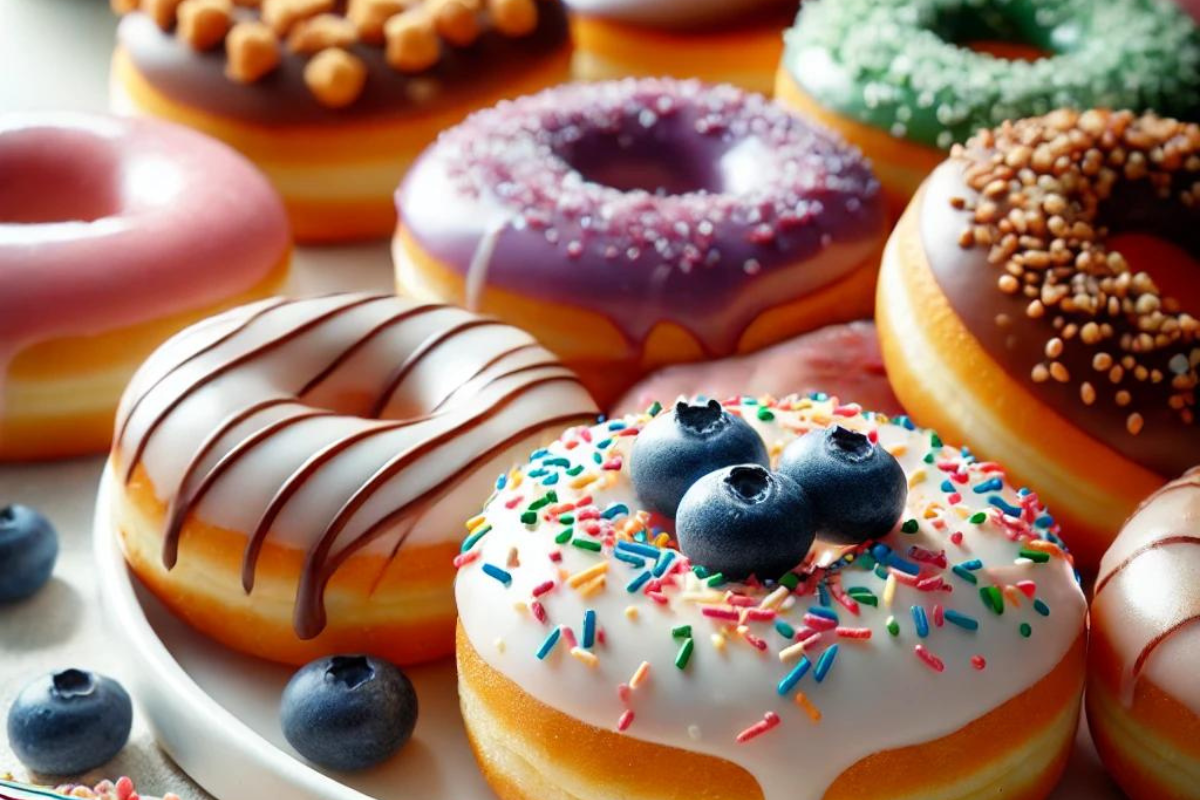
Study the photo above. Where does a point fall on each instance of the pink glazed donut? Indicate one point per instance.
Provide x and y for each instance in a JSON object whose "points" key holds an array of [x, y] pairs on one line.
{"points": [[114, 234]]}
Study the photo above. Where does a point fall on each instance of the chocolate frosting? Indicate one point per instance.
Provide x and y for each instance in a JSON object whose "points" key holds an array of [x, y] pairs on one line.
{"points": [[1166, 444], [282, 98]]}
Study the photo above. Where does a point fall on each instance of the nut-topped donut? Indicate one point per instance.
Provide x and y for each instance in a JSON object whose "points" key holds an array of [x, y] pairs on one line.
{"points": [[637, 223], [333, 100], [709, 657], [1038, 300], [1143, 697], [906, 79], [289, 476]]}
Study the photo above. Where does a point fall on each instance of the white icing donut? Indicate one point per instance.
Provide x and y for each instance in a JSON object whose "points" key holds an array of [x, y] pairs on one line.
{"points": [[884, 691]]}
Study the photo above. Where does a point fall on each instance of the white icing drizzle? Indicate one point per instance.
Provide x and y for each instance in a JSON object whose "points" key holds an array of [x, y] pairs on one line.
{"points": [[338, 424], [877, 695]]}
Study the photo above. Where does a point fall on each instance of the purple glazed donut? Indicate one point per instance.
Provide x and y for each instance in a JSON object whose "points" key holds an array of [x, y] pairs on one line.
{"points": [[638, 223]]}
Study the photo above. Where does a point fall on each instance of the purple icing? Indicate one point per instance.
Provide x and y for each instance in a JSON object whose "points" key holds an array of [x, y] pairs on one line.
{"points": [[647, 200]]}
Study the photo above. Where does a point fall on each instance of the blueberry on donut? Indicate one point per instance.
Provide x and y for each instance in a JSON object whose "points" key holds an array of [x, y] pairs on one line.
{"points": [[906, 79], [638, 223]]}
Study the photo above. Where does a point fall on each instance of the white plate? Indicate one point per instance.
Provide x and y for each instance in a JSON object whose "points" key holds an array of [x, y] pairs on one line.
{"points": [[216, 712]]}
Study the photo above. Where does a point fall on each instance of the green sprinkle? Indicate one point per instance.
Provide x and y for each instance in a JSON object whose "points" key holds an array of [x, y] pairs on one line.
{"points": [[791, 580], [565, 536], [928, 458], [682, 632], [654, 409], [586, 544], [785, 630], [992, 598], [529, 518], [470, 541], [863, 595], [1026, 630], [935, 441], [575, 470], [893, 627], [685, 653], [1036, 556], [909, 526], [964, 573], [765, 414], [715, 580], [977, 518], [567, 519], [700, 571]]}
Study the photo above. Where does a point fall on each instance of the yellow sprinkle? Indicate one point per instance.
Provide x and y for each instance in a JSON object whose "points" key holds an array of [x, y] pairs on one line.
{"points": [[1044, 547], [932, 510], [704, 598], [475, 522], [718, 641], [592, 587], [813, 712], [889, 590], [1013, 595], [898, 450], [792, 652], [775, 598], [583, 576], [662, 540], [631, 612], [822, 419], [500, 646], [610, 479], [586, 656], [515, 478], [639, 675], [520, 606], [583, 480], [915, 478], [962, 511]]}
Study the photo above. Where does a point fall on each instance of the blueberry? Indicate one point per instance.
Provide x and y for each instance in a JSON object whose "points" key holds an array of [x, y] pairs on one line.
{"points": [[70, 722], [678, 448], [349, 712], [28, 550], [857, 488], [745, 520]]}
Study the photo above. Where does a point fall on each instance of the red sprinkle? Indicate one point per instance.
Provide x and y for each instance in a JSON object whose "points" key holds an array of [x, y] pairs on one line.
{"points": [[819, 623], [1028, 588], [623, 692], [568, 636], [542, 588], [720, 612], [932, 661], [939, 615], [769, 720], [979, 662], [760, 614], [854, 633], [539, 612], [462, 559], [625, 721], [513, 501], [956, 537], [613, 464]]}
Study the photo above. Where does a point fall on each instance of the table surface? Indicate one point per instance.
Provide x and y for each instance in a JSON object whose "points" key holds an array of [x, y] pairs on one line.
{"points": [[53, 56]]}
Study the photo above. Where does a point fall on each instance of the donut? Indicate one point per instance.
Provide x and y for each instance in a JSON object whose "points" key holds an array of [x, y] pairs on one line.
{"points": [[944, 658], [842, 360], [639, 223], [1033, 304], [114, 234], [333, 100], [1142, 699], [906, 79], [719, 41], [289, 477]]}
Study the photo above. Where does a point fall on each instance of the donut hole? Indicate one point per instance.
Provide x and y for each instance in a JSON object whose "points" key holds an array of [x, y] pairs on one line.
{"points": [[1000, 32], [48, 180], [652, 162]]}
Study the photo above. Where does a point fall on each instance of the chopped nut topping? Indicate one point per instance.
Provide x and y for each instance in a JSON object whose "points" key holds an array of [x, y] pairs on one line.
{"points": [[369, 16], [514, 17], [204, 23], [281, 15], [457, 21], [412, 41], [317, 33], [335, 77], [253, 51]]}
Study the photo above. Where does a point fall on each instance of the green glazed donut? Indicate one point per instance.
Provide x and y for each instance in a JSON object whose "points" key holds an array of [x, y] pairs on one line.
{"points": [[900, 65]]}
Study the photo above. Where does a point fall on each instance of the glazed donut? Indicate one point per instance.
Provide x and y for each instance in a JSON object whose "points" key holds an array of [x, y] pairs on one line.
{"points": [[1015, 314], [945, 659], [719, 41], [114, 234], [334, 100], [289, 477], [1143, 699], [906, 79], [842, 360], [639, 223]]}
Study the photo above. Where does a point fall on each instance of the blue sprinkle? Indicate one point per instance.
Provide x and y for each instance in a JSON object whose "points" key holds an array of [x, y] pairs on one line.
{"points": [[597, 458], [537, 473], [947, 487], [921, 620], [1023, 491], [551, 480], [823, 595], [589, 628], [1007, 508], [538, 454], [825, 663], [972, 565], [880, 552], [1044, 521], [992, 485], [617, 425], [638, 582], [964, 573], [604, 444], [501, 575], [629, 558], [548, 644], [818, 611], [664, 562], [615, 510], [1041, 607], [881, 572], [785, 630], [557, 461], [962, 620], [502, 481], [650, 551], [792, 678], [903, 565]]}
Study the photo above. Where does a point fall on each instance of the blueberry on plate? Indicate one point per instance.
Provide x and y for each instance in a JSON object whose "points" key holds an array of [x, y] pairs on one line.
{"points": [[69, 722], [678, 448], [857, 488], [349, 712], [28, 550], [745, 520]]}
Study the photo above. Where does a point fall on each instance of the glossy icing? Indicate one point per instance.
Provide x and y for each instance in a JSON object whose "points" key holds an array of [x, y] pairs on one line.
{"points": [[106, 223], [1146, 604], [543, 197], [676, 14], [877, 693], [336, 425]]}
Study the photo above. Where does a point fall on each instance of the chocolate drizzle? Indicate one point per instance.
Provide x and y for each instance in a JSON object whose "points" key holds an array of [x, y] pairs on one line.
{"points": [[463, 409]]}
